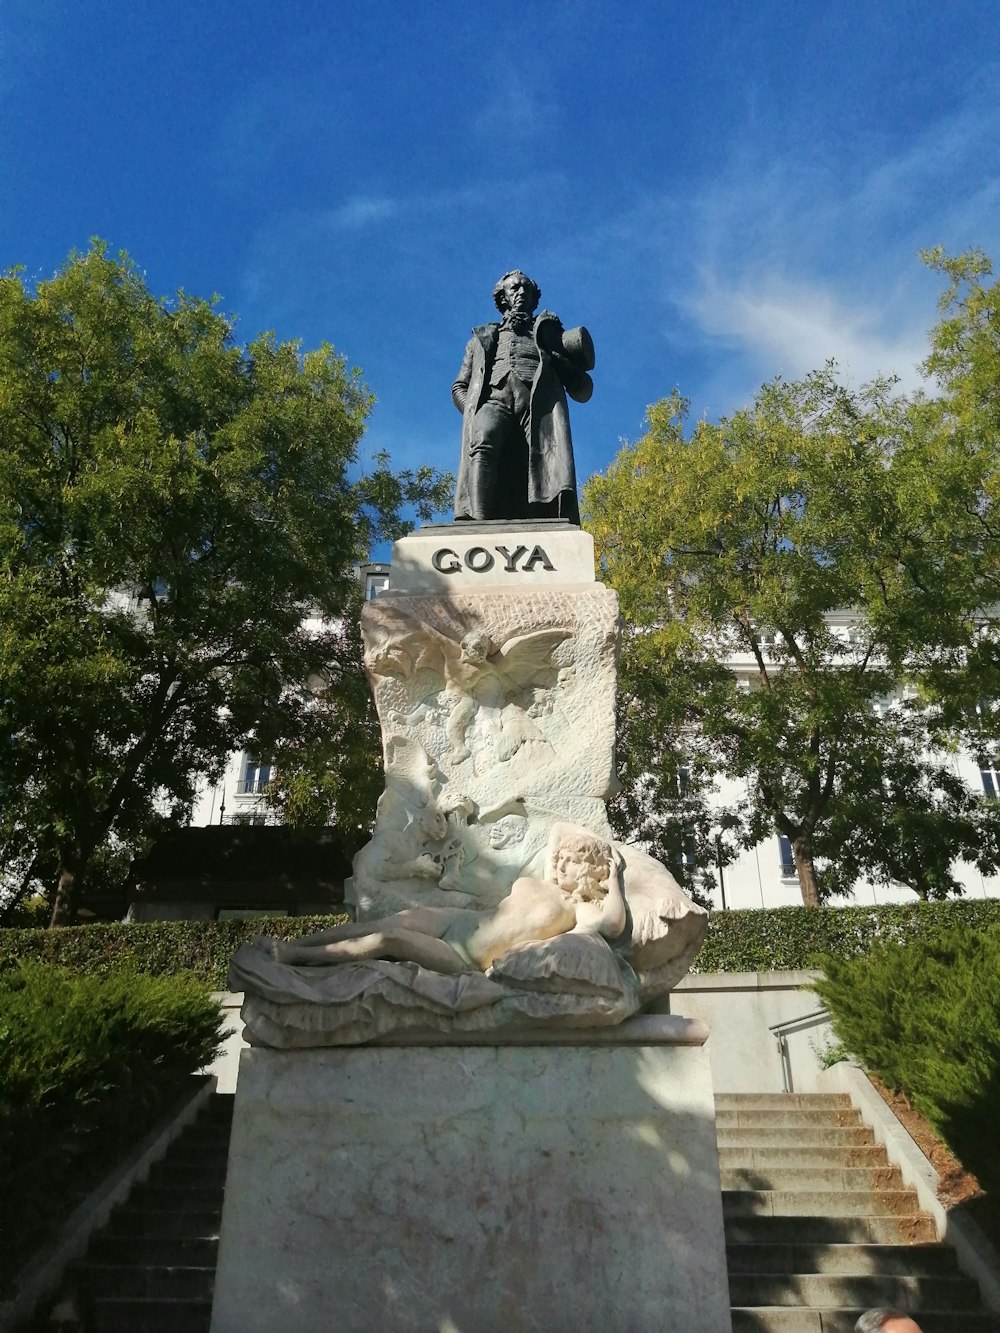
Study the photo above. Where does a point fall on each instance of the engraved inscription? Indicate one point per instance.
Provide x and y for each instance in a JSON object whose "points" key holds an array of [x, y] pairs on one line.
{"points": [[478, 559]]}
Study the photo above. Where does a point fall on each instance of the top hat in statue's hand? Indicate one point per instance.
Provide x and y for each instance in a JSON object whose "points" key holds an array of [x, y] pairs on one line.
{"points": [[576, 345]]}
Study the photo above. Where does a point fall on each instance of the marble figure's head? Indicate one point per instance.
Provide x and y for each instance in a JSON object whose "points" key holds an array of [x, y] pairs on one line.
{"points": [[475, 646], [507, 831], [433, 823], [578, 863]]}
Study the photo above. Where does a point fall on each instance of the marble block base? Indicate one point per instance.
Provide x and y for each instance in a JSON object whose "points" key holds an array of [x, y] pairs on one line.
{"points": [[477, 1189]]}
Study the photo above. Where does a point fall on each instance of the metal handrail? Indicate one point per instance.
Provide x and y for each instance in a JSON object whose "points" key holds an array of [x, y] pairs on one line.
{"points": [[781, 1031]]}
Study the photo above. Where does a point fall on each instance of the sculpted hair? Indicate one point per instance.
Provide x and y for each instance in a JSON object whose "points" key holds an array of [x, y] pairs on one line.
{"points": [[593, 851], [872, 1320], [500, 296]]}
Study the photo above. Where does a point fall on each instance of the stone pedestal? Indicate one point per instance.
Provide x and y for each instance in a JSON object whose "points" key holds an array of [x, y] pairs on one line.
{"points": [[562, 1181]]}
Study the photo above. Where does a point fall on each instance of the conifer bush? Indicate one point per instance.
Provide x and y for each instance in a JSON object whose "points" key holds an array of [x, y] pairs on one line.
{"points": [[87, 1064], [924, 1016]]}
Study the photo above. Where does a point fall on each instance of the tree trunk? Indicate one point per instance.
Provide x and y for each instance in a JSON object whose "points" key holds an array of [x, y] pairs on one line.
{"points": [[71, 867], [805, 868], [13, 903]]}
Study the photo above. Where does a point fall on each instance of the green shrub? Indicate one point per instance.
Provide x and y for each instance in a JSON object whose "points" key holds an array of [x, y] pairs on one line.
{"points": [[201, 948], [924, 1016], [68, 1039], [87, 1063], [795, 937], [743, 941]]}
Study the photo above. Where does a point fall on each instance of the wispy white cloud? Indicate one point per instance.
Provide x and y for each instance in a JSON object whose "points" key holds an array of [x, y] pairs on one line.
{"points": [[515, 111], [782, 265], [362, 210], [792, 327]]}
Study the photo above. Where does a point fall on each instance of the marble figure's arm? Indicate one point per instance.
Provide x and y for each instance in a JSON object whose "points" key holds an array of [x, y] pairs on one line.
{"points": [[613, 914]]}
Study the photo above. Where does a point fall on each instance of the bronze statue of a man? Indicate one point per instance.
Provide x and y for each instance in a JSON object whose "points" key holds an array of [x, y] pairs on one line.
{"points": [[517, 454]]}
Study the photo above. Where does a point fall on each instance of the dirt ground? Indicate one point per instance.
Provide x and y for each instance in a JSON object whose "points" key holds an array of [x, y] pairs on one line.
{"points": [[957, 1188]]}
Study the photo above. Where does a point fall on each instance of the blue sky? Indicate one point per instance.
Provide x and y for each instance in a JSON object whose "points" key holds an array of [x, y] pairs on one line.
{"points": [[719, 191]]}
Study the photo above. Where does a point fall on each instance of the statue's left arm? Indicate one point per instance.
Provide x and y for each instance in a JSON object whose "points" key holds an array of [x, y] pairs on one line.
{"points": [[613, 915], [570, 354]]}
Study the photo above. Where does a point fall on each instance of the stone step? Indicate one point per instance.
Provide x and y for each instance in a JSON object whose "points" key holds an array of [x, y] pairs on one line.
{"points": [[861, 1259], [825, 1203], [725, 1101], [758, 1117], [210, 1174], [175, 1198], [811, 1178], [186, 1250], [125, 1315], [144, 1282], [773, 1155], [133, 1220], [220, 1106], [875, 1228], [754, 1136], [196, 1147], [824, 1290], [781, 1319]]}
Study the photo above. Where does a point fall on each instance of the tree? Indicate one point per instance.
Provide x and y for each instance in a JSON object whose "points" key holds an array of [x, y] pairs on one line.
{"points": [[179, 518], [666, 778], [743, 540], [329, 769]]}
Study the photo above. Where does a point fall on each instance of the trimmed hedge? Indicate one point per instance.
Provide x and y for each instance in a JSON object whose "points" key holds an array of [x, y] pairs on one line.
{"points": [[795, 937], [201, 948], [742, 941]]}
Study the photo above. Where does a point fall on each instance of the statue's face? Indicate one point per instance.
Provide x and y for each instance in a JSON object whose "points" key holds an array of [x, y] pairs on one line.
{"points": [[572, 872], [433, 824], [519, 292], [475, 647]]}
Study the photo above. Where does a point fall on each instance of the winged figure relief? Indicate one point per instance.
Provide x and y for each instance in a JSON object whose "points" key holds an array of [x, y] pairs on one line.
{"points": [[479, 672]]}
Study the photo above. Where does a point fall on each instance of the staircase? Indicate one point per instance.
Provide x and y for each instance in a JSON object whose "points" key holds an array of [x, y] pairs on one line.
{"points": [[151, 1269], [819, 1226]]}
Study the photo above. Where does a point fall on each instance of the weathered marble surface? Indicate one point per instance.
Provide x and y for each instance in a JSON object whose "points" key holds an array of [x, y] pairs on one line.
{"points": [[480, 1189], [496, 698], [500, 554], [497, 714]]}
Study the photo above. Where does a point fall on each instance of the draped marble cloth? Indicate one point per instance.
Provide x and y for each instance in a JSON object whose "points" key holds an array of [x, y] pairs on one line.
{"points": [[573, 980]]}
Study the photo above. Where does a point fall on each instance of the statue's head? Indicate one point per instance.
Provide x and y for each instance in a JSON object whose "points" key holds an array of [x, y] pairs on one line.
{"points": [[516, 291], [578, 863], [475, 646]]}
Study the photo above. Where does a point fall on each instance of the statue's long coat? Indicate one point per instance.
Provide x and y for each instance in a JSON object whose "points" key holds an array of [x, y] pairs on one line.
{"points": [[550, 447]]}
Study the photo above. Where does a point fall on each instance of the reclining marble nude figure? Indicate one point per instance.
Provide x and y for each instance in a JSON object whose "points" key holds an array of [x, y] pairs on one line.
{"points": [[584, 894]]}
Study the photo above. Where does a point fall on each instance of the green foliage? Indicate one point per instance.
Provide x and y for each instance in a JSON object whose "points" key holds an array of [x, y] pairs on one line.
{"points": [[174, 508], [86, 1062], [330, 774], [924, 1016], [201, 949], [70, 1040], [789, 938], [742, 941], [840, 546]]}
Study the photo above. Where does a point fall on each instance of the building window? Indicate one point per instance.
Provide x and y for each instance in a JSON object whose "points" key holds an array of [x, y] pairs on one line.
{"points": [[686, 857], [787, 857], [376, 583], [249, 818], [256, 776], [989, 771]]}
